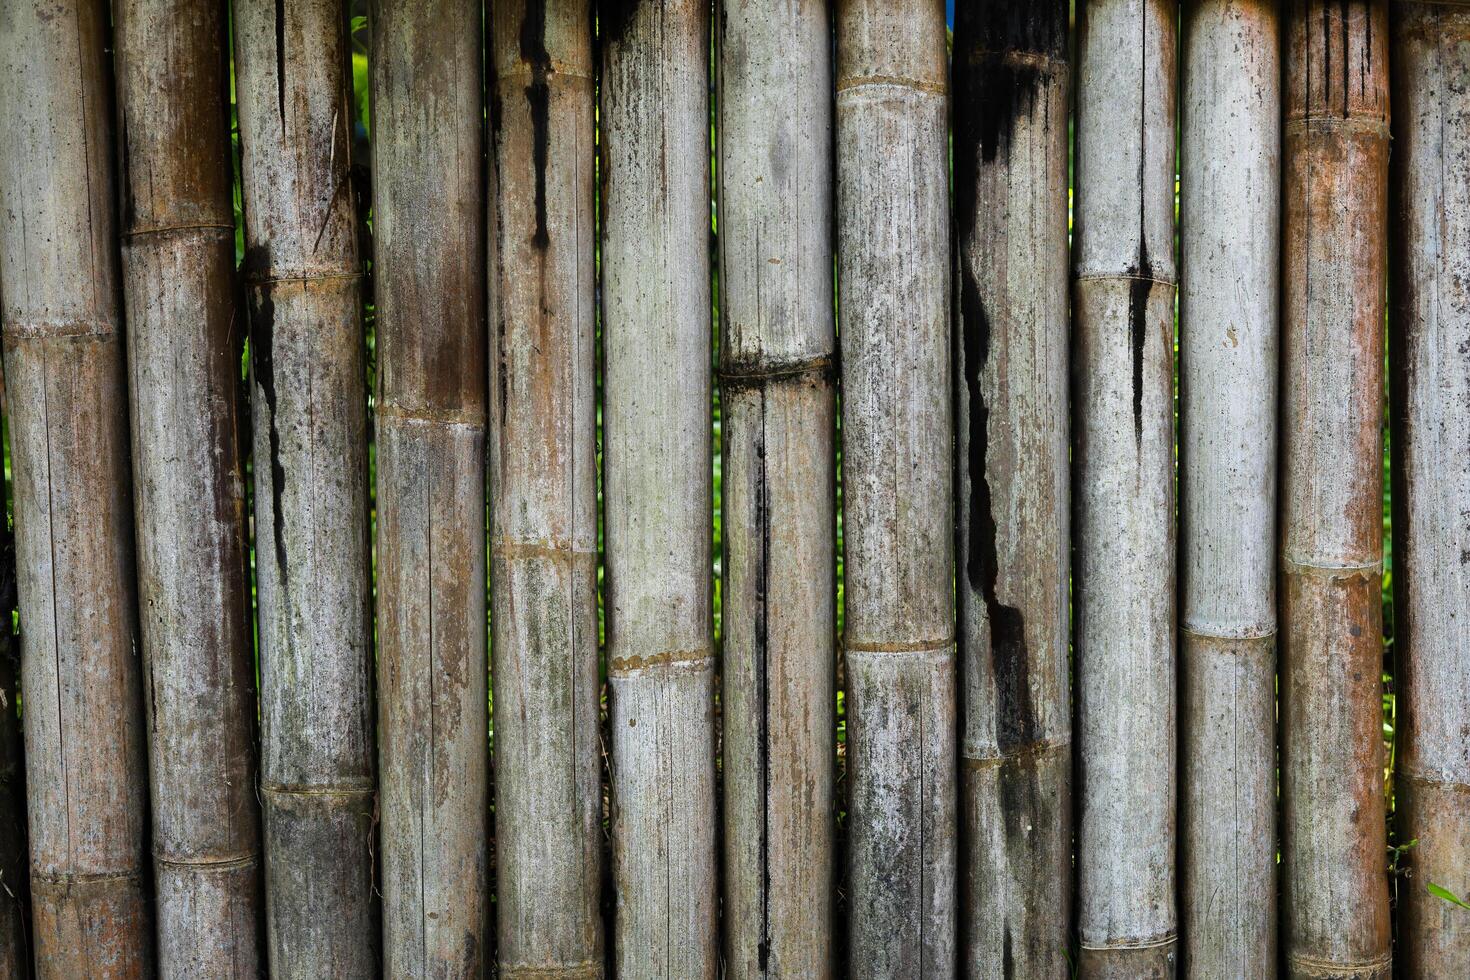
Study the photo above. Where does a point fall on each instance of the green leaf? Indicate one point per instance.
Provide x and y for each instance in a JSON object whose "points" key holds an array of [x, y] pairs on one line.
{"points": [[1449, 896]]}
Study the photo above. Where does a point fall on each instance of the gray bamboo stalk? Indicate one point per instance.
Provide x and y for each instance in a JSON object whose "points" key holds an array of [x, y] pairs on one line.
{"points": [[429, 270], [897, 423], [83, 717], [1335, 895], [1012, 479], [543, 498], [1431, 386], [15, 905], [1123, 299], [1230, 255], [778, 411], [656, 430], [185, 337], [303, 283]]}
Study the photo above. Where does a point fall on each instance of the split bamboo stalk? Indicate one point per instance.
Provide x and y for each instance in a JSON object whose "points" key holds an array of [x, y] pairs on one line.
{"points": [[83, 717], [1431, 386], [1230, 256], [15, 905], [1123, 263], [429, 273], [774, 68], [543, 497], [1335, 895], [897, 423], [656, 430], [185, 337], [1012, 479], [303, 284]]}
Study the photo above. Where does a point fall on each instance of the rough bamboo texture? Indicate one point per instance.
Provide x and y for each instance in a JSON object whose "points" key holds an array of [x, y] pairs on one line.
{"points": [[543, 491], [778, 411], [1123, 301], [83, 718], [15, 905], [303, 287], [897, 422], [1012, 475], [1335, 895], [656, 430], [429, 273], [1431, 385], [1230, 255], [185, 336]]}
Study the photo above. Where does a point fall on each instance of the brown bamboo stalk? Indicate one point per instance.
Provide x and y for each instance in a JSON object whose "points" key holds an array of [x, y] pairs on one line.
{"points": [[1430, 196], [656, 430], [1123, 300], [1012, 475], [543, 475], [897, 424], [429, 271], [303, 282], [1335, 897], [774, 72], [15, 892], [185, 337], [73, 513]]}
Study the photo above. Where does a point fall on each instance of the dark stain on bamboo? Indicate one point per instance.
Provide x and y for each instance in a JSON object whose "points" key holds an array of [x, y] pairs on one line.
{"points": [[262, 330], [281, 63], [997, 86], [538, 96], [1138, 290]]}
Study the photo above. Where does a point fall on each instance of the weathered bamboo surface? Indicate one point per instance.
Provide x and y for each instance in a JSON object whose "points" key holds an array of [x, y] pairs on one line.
{"points": [[185, 336], [83, 718], [311, 509], [15, 892], [1230, 256], [1012, 476], [778, 412], [897, 423], [429, 272], [1431, 384], [656, 431], [1123, 301], [1335, 892], [543, 491]]}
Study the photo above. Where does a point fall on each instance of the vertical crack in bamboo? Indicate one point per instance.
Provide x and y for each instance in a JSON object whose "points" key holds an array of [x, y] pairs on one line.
{"points": [[185, 337], [1123, 301], [15, 899], [1012, 484], [656, 418], [83, 719], [1430, 205], [774, 72], [429, 272], [303, 286], [897, 425]]}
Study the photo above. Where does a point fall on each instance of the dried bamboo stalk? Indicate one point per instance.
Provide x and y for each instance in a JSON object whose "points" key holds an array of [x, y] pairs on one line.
{"points": [[778, 411], [1430, 206], [543, 476], [311, 510], [429, 273], [1012, 473], [83, 717], [15, 905], [1230, 254], [1335, 895], [656, 430], [185, 337], [1123, 299], [893, 279]]}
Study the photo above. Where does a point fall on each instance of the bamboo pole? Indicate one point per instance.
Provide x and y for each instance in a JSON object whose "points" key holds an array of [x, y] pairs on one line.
{"points": [[778, 411], [1431, 386], [1012, 474], [543, 498], [83, 717], [893, 279], [1123, 299], [1230, 255], [656, 431], [15, 905], [1335, 894], [311, 510], [185, 337], [429, 274]]}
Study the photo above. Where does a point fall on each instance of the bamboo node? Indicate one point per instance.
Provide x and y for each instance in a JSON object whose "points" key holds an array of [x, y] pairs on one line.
{"points": [[1330, 969], [695, 658], [893, 81], [18, 330], [821, 368], [430, 416], [167, 229], [1147, 942]]}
